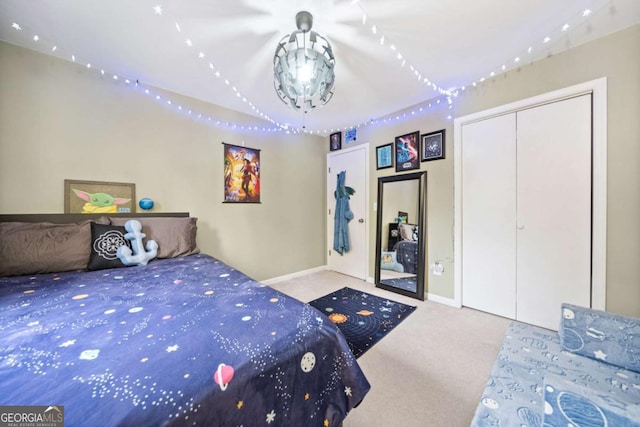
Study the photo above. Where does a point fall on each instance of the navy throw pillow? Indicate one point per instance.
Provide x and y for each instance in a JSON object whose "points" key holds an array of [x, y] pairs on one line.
{"points": [[105, 241]]}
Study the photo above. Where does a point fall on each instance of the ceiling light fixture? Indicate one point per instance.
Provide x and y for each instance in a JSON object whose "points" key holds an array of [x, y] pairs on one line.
{"points": [[303, 67]]}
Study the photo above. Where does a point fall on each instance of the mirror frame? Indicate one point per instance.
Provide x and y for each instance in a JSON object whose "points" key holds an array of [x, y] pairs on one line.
{"points": [[422, 224]]}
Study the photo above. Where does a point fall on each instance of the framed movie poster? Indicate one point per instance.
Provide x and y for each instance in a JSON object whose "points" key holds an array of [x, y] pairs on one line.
{"points": [[433, 146], [241, 174], [335, 141], [407, 149]]}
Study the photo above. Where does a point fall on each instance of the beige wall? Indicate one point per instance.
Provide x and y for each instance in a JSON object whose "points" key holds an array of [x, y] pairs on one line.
{"points": [[616, 57], [58, 120]]}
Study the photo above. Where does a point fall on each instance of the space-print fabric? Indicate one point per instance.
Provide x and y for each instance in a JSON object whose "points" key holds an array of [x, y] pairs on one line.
{"points": [[182, 341], [608, 337], [529, 356], [568, 404]]}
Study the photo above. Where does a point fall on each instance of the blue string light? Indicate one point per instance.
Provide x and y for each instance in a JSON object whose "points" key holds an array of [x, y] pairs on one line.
{"points": [[448, 94]]}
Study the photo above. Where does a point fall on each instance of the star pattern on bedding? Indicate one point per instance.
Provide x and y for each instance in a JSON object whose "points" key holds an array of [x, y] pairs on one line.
{"points": [[126, 345], [599, 354], [271, 417]]}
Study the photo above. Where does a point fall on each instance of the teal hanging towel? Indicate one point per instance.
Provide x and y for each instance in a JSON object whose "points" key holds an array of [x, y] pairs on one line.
{"points": [[342, 215]]}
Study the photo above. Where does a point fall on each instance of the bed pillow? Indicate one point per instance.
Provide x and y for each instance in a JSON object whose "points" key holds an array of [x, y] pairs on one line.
{"points": [[175, 236], [105, 241], [137, 253], [407, 231], [600, 335], [42, 247], [388, 261]]}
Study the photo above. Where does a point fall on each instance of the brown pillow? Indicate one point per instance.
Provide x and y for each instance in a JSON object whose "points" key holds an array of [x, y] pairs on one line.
{"points": [[406, 231], [42, 247], [175, 236]]}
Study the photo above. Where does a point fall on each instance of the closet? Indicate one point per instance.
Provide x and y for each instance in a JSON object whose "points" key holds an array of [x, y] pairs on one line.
{"points": [[526, 211]]}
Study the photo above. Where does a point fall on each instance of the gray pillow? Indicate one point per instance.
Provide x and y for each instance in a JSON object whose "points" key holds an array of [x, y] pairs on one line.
{"points": [[407, 231], [175, 236], [42, 247]]}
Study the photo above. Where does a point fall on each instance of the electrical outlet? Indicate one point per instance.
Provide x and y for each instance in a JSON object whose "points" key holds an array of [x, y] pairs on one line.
{"points": [[437, 268]]}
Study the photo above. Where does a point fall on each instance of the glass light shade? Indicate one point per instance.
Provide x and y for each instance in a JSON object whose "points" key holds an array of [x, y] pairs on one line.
{"points": [[303, 67]]}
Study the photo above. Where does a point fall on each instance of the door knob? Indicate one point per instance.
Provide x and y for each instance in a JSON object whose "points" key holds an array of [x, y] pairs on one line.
{"points": [[361, 220]]}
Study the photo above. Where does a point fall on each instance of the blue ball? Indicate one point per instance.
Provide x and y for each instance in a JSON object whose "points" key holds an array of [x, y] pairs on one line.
{"points": [[146, 204]]}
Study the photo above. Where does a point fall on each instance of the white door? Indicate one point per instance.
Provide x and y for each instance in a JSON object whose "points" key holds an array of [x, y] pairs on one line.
{"points": [[355, 162], [489, 215], [526, 211], [554, 209]]}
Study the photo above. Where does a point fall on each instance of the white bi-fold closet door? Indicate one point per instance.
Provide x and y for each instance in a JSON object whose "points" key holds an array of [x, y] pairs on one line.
{"points": [[526, 211]]}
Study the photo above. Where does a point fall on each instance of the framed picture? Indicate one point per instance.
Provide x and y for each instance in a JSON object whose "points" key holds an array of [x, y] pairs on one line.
{"points": [[241, 174], [384, 156], [99, 197], [407, 147], [432, 146], [350, 135], [403, 217], [335, 141]]}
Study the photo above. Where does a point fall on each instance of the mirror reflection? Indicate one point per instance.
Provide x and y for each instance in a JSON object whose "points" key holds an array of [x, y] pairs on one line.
{"points": [[400, 234]]}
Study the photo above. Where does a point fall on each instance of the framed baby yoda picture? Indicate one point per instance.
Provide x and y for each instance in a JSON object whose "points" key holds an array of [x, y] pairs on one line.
{"points": [[99, 197]]}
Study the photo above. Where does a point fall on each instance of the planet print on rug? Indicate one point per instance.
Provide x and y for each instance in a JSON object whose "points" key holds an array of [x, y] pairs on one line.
{"points": [[364, 319]]}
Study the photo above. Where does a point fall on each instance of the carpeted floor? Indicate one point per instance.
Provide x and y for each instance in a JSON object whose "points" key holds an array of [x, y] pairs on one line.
{"points": [[430, 370], [363, 318]]}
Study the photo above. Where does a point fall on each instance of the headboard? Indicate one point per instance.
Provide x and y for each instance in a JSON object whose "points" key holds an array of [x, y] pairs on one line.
{"points": [[71, 218]]}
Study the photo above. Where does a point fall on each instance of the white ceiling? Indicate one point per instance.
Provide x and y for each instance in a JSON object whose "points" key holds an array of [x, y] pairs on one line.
{"points": [[451, 43]]}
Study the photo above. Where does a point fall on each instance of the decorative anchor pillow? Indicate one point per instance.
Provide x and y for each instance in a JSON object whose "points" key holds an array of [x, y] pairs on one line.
{"points": [[136, 255]]}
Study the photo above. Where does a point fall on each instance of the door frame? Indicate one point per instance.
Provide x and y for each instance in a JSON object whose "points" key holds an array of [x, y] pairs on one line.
{"points": [[598, 89], [329, 244]]}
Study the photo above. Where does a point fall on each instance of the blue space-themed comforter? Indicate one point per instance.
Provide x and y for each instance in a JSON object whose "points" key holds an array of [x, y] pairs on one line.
{"points": [[182, 341], [407, 255]]}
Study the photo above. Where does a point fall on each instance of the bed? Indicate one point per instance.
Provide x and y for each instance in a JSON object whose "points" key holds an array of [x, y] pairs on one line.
{"points": [[407, 255], [183, 340], [407, 247]]}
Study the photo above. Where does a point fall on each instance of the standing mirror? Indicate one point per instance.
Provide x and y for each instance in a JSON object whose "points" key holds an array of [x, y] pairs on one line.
{"points": [[400, 235]]}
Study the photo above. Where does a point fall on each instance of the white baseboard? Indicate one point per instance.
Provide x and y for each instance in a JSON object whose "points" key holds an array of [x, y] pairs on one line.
{"points": [[431, 297], [293, 275], [442, 300]]}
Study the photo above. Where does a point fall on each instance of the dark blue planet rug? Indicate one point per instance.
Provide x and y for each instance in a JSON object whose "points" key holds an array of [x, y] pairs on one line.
{"points": [[364, 319]]}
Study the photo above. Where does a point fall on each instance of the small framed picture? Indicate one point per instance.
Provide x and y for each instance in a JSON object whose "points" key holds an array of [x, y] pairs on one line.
{"points": [[384, 156], [335, 141], [407, 157], [350, 135], [403, 217], [432, 146]]}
